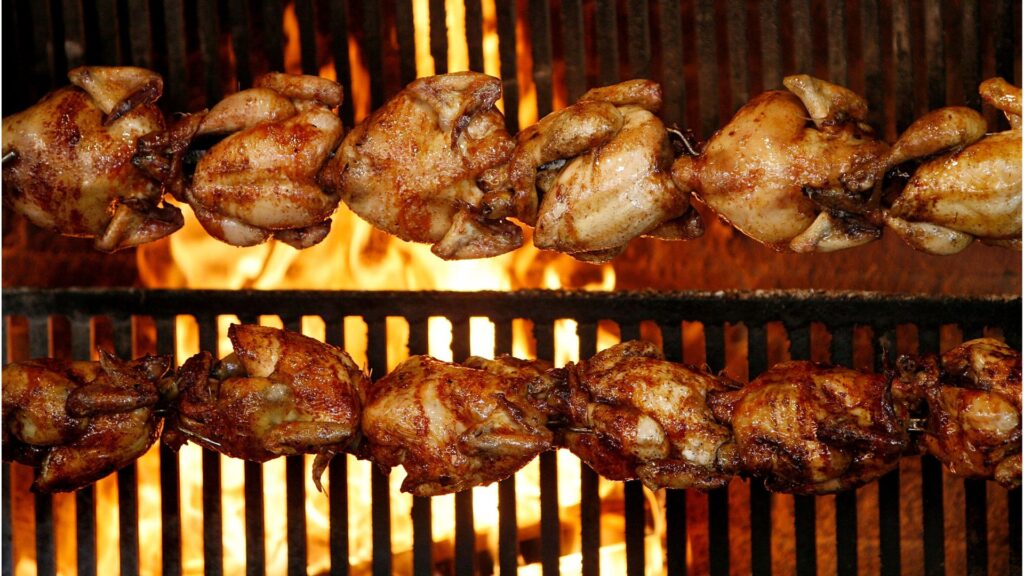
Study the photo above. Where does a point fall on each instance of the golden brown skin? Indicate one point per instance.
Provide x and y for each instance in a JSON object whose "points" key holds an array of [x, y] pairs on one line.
{"points": [[973, 401], [595, 175], [70, 168], [418, 167], [787, 183], [808, 428], [76, 422], [453, 427], [971, 190], [260, 181], [279, 394], [633, 414]]}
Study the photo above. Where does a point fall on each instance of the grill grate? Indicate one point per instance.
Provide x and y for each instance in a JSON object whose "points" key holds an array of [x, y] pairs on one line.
{"points": [[808, 319]]}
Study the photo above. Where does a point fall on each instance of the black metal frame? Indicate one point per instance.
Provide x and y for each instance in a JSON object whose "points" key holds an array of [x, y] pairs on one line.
{"points": [[839, 313]]}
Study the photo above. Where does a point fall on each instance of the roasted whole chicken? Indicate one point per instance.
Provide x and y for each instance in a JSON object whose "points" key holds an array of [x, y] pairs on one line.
{"points": [[278, 394], [76, 422], [68, 160], [453, 426], [595, 175], [972, 396], [260, 179], [972, 187], [808, 428], [419, 166], [794, 170], [632, 414]]}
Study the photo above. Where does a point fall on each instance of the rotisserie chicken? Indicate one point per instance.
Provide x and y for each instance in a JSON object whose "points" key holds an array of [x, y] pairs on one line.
{"points": [[418, 167], [973, 188], [595, 175], [68, 159], [76, 422], [794, 170], [808, 428], [278, 394], [260, 180], [633, 414], [973, 408], [453, 427]]}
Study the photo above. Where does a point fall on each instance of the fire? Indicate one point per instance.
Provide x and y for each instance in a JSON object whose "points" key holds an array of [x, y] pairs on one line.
{"points": [[357, 256]]}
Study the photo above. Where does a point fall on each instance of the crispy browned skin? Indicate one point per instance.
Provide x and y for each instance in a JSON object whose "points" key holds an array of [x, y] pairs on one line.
{"points": [[279, 394], [76, 422], [633, 414], [972, 189], [973, 401], [71, 169], [418, 167], [787, 182], [453, 427], [595, 175], [808, 428], [260, 181]]}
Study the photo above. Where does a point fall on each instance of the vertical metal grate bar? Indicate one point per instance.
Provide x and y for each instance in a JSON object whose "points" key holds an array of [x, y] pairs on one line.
{"points": [[85, 499], [273, 18], [374, 57], [935, 54], [675, 499], [337, 478], [760, 498], [888, 485], [46, 545], [422, 538], [255, 545], [638, 31], [74, 33], [1014, 505], [438, 36], [590, 498], [707, 73], [238, 13], [209, 46], [213, 542], [305, 13], [976, 507], [127, 477], [342, 67], [110, 36], [845, 502], [540, 40], [574, 49], [465, 531], [507, 529], [140, 33], [771, 56], [607, 34], [380, 492], [670, 36], [550, 528], [295, 494], [634, 493], [406, 32], [718, 500], [475, 34], [739, 68], [507, 56], [931, 483], [804, 507], [838, 46], [170, 504], [176, 82]]}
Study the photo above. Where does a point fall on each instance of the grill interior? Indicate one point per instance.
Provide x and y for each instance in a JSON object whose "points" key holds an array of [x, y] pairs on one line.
{"points": [[743, 330]]}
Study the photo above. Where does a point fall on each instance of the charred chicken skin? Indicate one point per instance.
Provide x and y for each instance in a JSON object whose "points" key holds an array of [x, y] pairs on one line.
{"points": [[68, 160], [969, 185], [633, 414], [595, 175], [794, 170], [452, 426], [973, 402], [76, 422], [259, 181], [808, 428], [419, 166], [278, 394]]}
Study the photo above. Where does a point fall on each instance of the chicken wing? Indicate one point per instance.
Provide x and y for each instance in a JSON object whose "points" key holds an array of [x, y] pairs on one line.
{"points": [[68, 159], [278, 394], [632, 414], [794, 170], [453, 427], [76, 422], [808, 428], [418, 167], [972, 189], [595, 175]]}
